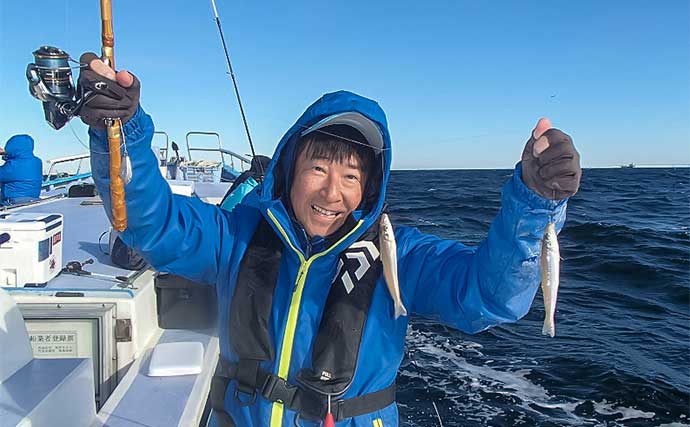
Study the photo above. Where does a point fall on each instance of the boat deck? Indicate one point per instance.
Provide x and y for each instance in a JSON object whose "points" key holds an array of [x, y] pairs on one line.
{"points": [[85, 231], [126, 395], [162, 401]]}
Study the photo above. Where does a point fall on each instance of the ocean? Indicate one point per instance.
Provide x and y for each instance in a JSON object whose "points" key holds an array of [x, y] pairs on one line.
{"points": [[621, 355]]}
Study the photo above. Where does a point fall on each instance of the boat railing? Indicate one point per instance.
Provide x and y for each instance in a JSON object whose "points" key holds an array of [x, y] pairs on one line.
{"points": [[244, 162], [53, 179], [163, 152]]}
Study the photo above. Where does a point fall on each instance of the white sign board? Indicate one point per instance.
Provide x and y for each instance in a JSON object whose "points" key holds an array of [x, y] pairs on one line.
{"points": [[54, 344]]}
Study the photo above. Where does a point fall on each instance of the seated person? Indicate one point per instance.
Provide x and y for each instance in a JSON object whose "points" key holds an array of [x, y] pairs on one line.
{"points": [[22, 173]]}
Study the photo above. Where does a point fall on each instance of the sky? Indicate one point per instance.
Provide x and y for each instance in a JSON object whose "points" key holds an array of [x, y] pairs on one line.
{"points": [[462, 82]]}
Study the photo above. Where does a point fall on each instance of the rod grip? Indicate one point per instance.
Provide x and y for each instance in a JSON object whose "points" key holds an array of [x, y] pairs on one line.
{"points": [[117, 185]]}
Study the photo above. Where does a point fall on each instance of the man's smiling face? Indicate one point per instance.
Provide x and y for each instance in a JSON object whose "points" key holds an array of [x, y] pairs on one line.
{"points": [[325, 192]]}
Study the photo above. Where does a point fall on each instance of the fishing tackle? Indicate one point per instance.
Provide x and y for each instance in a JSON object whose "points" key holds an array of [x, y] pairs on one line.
{"points": [[234, 85], [50, 81], [125, 163]]}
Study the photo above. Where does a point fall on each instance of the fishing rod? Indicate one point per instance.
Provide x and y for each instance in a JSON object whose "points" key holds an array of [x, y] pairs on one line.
{"points": [[50, 81], [234, 81], [117, 183]]}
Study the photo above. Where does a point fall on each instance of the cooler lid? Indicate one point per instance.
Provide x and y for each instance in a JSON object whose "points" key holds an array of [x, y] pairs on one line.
{"points": [[28, 221]]}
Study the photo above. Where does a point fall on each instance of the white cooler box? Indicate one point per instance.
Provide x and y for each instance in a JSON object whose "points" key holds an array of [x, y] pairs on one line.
{"points": [[33, 254]]}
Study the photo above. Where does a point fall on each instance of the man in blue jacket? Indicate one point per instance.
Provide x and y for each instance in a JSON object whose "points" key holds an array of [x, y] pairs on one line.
{"points": [[305, 317], [22, 173], [244, 183]]}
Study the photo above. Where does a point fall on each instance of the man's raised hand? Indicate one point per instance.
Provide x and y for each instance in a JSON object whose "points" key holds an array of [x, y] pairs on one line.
{"points": [[550, 163], [114, 95]]}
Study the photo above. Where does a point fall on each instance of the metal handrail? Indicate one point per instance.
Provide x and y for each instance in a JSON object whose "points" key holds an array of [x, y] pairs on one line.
{"points": [[167, 144], [77, 176], [220, 149], [66, 159], [190, 149], [240, 157]]}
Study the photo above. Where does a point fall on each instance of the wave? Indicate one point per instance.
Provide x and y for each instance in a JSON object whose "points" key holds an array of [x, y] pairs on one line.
{"points": [[621, 352], [472, 389]]}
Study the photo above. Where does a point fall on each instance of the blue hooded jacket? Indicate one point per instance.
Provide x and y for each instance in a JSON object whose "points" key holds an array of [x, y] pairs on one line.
{"points": [[22, 173], [469, 288]]}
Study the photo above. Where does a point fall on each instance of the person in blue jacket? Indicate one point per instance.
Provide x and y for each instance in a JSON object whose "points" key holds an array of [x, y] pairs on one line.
{"points": [[306, 323], [22, 173], [244, 183]]}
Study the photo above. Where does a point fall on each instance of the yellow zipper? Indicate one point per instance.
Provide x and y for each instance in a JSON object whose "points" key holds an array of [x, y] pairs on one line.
{"points": [[291, 323]]}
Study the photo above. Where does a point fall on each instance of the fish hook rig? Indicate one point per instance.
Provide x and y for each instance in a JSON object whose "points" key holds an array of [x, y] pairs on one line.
{"points": [[50, 81]]}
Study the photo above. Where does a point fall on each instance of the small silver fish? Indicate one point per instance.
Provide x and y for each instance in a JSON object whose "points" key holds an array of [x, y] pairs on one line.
{"points": [[389, 258], [550, 272]]}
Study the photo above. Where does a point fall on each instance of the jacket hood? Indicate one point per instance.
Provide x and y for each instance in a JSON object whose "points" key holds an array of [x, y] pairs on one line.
{"points": [[279, 171], [19, 147]]}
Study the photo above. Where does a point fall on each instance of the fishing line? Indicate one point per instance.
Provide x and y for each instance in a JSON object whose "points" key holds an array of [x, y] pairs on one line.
{"points": [[84, 145], [239, 100], [237, 91], [437, 414], [79, 139]]}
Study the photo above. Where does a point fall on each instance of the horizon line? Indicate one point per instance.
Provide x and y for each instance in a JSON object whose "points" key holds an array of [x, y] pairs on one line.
{"points": [[672, 166]]}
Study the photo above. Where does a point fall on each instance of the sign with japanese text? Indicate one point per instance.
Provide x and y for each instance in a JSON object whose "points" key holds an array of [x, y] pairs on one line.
{"points": [[54, 343]]}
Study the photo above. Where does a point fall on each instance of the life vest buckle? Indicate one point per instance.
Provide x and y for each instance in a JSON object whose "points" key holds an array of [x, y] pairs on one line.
{"points": [[276, 389]]}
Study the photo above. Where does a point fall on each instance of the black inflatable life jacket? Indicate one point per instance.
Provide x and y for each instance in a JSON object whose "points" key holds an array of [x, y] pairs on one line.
{"points": [[336, 347]]}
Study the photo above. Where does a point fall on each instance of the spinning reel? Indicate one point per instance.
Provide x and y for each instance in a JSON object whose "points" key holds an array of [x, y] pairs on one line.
{"points": [[50, 81]]}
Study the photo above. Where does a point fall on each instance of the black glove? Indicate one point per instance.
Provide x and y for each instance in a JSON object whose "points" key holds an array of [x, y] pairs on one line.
{"points": [[108, 100], [555, 173]]}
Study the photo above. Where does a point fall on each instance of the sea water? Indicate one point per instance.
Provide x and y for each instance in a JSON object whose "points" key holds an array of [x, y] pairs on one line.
{"points": [[621, 355]]}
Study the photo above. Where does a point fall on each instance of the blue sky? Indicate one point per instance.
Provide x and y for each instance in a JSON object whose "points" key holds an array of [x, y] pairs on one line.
{"points": [[462, 82]]}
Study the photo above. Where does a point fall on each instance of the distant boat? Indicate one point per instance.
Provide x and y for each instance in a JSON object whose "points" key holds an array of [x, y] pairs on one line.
{"points": [[628, 166]]}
